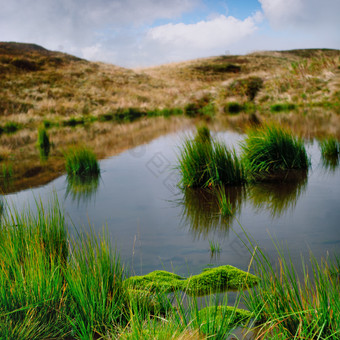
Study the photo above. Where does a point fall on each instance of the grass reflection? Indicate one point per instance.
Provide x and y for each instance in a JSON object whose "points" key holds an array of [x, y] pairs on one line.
{"points": [[330, 153], [82, 188], [330, 163], [201, 209], [278, 196]]}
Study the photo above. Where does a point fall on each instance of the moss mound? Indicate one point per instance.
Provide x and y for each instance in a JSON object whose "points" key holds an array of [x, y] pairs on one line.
{"points": [[209, 281], [219, 279], [157, 281]]}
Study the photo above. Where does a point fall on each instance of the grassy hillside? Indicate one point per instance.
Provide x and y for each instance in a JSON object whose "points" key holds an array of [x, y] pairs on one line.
{"points": [[112, 108]]}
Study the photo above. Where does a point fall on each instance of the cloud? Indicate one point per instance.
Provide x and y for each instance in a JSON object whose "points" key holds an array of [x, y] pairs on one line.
{"points": [[311, 14], [204, 38], [77, 24]]}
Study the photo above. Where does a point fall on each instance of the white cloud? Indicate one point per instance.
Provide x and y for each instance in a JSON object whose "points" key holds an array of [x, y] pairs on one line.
{"points": [[77, 24], [311, 14], [204, 38]]}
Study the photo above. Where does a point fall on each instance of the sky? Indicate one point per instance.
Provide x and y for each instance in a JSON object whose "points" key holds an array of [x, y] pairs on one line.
{"points": [[139, 33]]}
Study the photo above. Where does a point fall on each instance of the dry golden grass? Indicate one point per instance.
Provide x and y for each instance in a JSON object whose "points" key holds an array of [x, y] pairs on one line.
{"points": [[42, 87]]}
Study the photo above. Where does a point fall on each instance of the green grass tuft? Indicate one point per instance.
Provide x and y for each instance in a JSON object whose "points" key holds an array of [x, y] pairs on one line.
{"points": [[81, 161], [330, 148], [282, 107], [233, 108], [203, 134], [209, 164], [330, 153], [11, 127], [271, 150], [214, 247], [6, 171]]}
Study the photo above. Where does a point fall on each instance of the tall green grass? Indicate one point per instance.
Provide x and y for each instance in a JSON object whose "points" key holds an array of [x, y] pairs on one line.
{"points": [[271, 150], [81, 161], [54, 286], [33, 252], [207, 163], [288, 306], [94, 277]]}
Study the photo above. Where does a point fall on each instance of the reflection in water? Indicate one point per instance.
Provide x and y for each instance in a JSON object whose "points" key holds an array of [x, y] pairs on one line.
{"points": [[44, 152], [82, 188], [330, 162], [279, 195], [2, 206], [200, 209]]}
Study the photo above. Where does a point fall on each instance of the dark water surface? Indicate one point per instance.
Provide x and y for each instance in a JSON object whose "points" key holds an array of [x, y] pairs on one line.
{"points": [[157, 226]]}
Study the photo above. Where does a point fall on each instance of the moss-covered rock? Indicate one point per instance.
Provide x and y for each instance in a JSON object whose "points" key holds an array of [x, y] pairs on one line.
{"points": [[211, 280], [222, 278], [157, 281], [217, 317]]}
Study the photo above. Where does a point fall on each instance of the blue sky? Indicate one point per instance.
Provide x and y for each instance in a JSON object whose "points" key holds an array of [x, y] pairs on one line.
{"points": [[135, 33]]}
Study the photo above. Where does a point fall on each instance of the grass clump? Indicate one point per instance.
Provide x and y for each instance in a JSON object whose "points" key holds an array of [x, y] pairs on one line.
{"points": [[330, 153], [219, 68], [129, 115], [43, 143], [247, 87], [215, 247], [11, 127], [6, 171], [209, 163], [272, 149], [81, 161], [233, 108], [203, 135], [202, 107], [282, 107], [330, 147], [74, 121]]}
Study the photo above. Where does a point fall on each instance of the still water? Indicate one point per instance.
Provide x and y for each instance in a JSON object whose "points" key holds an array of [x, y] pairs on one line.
{"points": [[155, 225]]}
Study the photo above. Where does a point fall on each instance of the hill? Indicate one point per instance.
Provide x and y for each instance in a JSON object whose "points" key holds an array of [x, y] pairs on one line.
{"points": [[112, 108]]}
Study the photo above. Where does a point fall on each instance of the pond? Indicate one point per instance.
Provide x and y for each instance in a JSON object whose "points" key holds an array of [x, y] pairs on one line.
{"points": [[155, 225]]}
